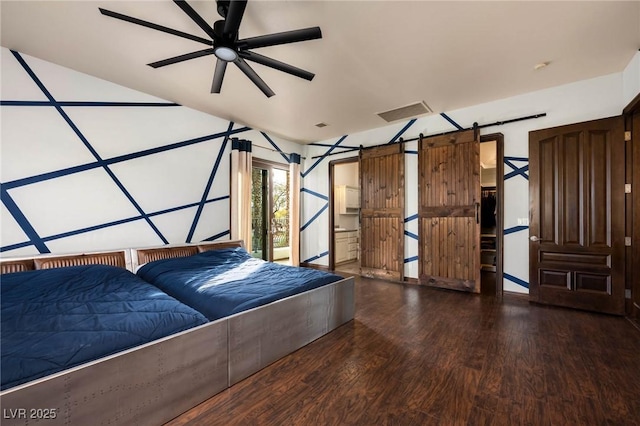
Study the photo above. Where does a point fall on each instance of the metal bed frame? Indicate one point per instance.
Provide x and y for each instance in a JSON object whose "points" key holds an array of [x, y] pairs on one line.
{"points": [[153, 383]]}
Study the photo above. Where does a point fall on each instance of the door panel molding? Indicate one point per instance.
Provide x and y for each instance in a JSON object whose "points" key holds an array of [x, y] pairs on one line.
{"points": [[576, 177]]}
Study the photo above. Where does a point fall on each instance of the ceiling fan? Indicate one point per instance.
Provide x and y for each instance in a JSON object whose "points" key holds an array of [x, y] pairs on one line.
{"points": [[225, 44]]}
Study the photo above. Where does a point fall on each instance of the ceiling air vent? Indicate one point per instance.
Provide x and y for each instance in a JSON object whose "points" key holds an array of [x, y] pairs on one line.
{"points": [[409, 111], [321, 125]]}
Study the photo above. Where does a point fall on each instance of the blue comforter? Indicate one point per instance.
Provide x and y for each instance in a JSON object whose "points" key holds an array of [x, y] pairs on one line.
{"points": [[55, 319], [223, 282]]}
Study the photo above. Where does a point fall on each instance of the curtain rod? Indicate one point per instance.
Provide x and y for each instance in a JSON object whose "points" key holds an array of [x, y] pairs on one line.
{"points": [[475, 126]]}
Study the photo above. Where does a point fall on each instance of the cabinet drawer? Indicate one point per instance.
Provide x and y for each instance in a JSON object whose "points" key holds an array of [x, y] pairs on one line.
{"points": [[341, 236], [353, 246]]}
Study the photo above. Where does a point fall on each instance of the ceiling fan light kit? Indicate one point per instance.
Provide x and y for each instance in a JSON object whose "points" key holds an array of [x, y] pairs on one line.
{"points": [[226, 45]]}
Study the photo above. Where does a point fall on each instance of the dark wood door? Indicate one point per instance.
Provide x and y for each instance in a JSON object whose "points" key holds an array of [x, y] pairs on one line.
{"points": [[382, 212], [576, 190], [448, 199]]}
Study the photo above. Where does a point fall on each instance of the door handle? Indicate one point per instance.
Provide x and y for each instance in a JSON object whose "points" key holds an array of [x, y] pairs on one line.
{"points": [[477, 212], [534, 238]]}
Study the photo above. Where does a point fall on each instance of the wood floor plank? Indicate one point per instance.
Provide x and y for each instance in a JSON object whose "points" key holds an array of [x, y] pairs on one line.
{"points": [[421, 356]]}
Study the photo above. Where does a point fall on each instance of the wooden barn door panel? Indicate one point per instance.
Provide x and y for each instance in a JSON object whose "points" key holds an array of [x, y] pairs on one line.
{"points": [[449, 197], [382, 212], [576, 189]]}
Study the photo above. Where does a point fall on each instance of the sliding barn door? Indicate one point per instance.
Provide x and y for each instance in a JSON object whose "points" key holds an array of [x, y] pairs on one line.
{"points": [[576, 190], [382, 212], [448, 214]]}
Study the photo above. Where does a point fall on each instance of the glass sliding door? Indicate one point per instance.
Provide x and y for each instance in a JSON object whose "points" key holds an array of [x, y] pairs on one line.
{"points": [[270, 212]]}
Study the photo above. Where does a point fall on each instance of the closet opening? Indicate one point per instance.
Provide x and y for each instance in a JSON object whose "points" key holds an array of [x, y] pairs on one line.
{"points": [[344, 219], [491, 213]]}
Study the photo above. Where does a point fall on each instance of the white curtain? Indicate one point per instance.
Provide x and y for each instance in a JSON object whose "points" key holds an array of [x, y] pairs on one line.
{"points": [[294, 209], [241, 191]]}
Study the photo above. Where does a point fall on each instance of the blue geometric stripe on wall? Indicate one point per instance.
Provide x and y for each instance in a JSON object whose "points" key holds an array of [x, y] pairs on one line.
{"points": [[119, 159], [401, 132], [103, 225], [411, 259], [315, 194], [277, 148], [94, 153], [516, 280], [334, 146], [410, 218], [451, 121], [514, 229], [516, 171], [411, 235], [38, 241], [207, 188], [311, 259], [34, 238], [314, 217]]}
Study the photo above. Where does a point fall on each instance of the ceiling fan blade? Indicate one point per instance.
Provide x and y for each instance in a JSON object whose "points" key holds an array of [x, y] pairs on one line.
{"points": [[280, 38], [153, 26], [181, 58], [234, 17], [182, 4], [218, 76], [249, 72], [273, 63]]}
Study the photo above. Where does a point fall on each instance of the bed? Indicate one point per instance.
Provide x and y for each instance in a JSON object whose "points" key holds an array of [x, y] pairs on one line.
{"points": [[153, 382]]}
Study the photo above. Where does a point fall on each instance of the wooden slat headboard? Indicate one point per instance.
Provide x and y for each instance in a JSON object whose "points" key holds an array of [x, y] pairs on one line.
{"points": [[220, 245], [116, 258], [145, 255], [149, 255], [11, 266]]}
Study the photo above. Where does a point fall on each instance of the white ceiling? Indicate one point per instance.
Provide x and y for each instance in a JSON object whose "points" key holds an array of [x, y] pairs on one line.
{"points": [[374, 55]]}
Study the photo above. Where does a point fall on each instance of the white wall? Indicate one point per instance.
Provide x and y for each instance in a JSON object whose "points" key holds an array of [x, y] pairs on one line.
{"points": [[346, 174], [95, 176], [580, 101], [631, 80]]}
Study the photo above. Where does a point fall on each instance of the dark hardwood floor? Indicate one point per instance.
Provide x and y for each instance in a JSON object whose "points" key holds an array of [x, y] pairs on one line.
{"points": [[421, 356]]}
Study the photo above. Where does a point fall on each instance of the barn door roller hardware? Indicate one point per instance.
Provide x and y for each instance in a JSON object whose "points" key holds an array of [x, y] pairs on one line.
{"points": [[475, 126]]}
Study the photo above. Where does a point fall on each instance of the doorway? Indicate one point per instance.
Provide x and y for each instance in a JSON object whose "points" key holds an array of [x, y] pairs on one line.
{"points": [[491, 213], [270, 211], [344, 220]]}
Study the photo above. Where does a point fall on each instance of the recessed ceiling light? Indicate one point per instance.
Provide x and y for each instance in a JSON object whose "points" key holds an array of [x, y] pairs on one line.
{"points": [[541, 65]]}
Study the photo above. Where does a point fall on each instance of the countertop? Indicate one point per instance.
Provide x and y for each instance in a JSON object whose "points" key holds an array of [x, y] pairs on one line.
{"points": [[344, 230]]}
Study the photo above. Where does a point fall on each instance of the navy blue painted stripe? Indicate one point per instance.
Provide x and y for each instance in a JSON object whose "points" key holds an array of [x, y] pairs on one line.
{"points": [[401, 132], [273, 144], [207, 188], [84, 167], [516, 280], [317, 194], [411, 259], [315, 216], [450, 120], [329, 145], [88, 104], [106, 225], [410, 218], [515, 229], [516, 158], [88, 145], [334, 146], [411, 152], [516, 171], [311, 259], [220, 235], [22, 221], [411, 234]]}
